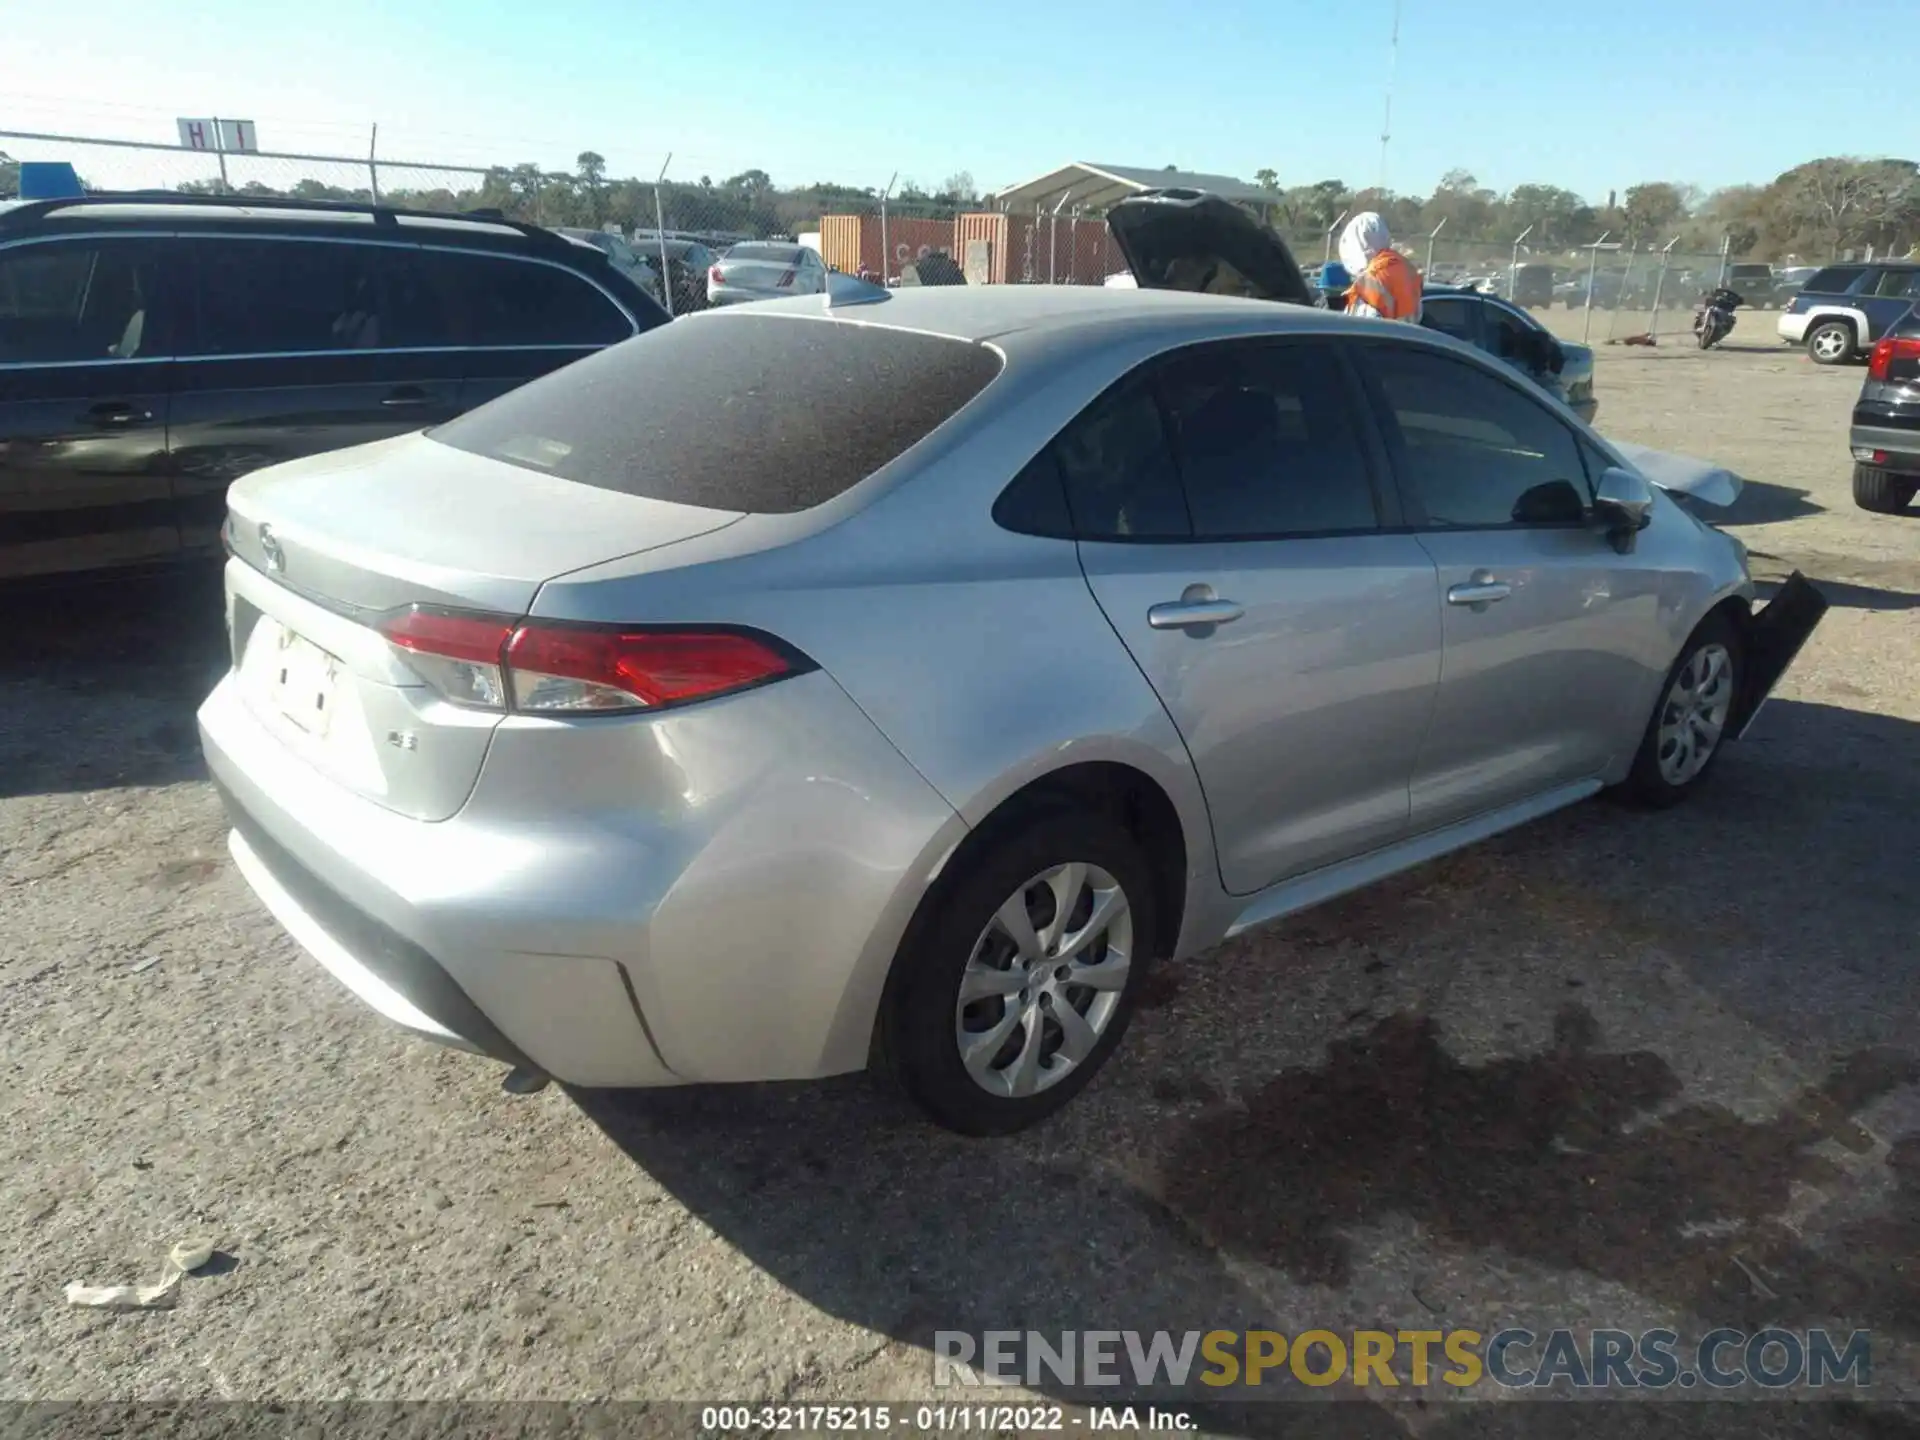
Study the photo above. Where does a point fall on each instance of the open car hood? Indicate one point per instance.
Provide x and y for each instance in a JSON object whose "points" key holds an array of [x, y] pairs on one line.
{"points": [[1704, 481], [1190, 240]]}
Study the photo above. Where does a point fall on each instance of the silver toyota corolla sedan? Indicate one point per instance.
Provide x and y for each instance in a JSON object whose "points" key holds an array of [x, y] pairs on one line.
{"points": [[792, 688]]}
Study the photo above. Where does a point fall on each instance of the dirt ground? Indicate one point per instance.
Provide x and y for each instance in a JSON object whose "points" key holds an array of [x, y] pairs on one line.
{"points": [[1613, 1069]]}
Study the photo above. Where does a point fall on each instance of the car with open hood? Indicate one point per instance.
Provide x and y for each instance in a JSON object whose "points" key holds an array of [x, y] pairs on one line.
{"points": [[1191, 240]]}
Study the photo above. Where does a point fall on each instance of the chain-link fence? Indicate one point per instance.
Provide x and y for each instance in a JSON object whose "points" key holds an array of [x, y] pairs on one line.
{"points": [[1607, 291], [122, 165]]}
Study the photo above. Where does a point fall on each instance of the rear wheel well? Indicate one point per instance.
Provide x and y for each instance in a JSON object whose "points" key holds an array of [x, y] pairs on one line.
{"points": [[1845, 322], [1130, 796]]}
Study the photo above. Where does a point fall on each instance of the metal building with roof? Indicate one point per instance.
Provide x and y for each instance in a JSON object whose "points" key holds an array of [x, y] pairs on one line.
{"points": [[1088, 186]]}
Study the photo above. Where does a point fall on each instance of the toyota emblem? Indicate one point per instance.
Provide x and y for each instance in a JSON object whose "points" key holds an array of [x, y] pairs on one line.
{"points": [[270, 547]]}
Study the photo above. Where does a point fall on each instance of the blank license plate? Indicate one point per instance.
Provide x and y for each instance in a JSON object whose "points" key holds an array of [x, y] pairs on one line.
{"points": [[301, 682]]}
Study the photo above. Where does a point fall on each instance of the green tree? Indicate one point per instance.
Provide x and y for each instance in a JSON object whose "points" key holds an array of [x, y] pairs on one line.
{"points": [[1557, 216], [959, 189], [1652, 210], [591, 177], [1842, 203], [1314, 207], [1468, 208]]}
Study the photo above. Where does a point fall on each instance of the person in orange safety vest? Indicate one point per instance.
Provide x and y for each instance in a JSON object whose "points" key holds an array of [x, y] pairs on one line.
{"points": [[1385, 282]]}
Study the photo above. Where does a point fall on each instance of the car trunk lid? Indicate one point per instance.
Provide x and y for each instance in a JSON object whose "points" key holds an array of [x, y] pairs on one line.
{"points": [[1191, 240], [756, 273], [330, 545]]}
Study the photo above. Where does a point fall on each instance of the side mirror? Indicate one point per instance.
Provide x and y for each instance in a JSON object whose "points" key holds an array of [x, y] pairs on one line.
{"points": [[1623, 506]]}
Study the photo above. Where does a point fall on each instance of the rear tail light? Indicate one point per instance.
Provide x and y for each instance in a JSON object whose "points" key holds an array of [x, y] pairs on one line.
{"points": [[786, 279], [492, 663], [1888, 350], [714, 277], [458, 655]]}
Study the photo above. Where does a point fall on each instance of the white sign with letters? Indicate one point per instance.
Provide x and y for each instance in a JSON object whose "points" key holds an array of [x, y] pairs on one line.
{"points": [[233, 136]]}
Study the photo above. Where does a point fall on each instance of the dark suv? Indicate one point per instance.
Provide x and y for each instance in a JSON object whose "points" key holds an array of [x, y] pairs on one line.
{"points": [[1843, 310], [154, 348], [1886, 421]]}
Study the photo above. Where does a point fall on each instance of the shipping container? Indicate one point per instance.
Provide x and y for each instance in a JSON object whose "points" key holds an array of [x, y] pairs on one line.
{"points": [[853, 243], [996, 249]]}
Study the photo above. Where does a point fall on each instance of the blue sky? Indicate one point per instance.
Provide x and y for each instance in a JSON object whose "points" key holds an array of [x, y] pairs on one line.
{"points": [[1589, 95]]}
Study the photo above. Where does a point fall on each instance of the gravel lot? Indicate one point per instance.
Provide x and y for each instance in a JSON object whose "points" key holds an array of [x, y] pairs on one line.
{"points": [[1614, 1069]]}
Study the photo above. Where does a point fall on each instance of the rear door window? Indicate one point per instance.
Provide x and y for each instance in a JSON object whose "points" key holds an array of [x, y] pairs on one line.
{"points": [[260, 296], [1266, 442], [70, 300], [508, 301], [766, 414]]}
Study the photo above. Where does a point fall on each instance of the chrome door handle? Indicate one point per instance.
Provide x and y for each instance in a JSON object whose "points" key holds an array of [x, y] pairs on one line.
{"points": [[1180, 614], [1479, 592], [406, 395]]}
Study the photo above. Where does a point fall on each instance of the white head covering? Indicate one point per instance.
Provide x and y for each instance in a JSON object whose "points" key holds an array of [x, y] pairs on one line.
{"points": [[1365, 237]]}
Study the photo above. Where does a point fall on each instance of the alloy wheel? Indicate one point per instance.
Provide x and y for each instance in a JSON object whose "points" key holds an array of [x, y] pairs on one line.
{"points": [[1829, 344], [1694, 714], [1044, 980]]}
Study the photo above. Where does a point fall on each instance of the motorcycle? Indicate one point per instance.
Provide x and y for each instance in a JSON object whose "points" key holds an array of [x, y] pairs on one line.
{"points": [[1713, 316]]}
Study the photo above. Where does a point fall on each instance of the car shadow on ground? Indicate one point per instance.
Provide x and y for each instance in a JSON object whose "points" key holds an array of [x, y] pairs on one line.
{"points": [[156, 642], [1761, 502], [1847, 595], [1160, 1199]]}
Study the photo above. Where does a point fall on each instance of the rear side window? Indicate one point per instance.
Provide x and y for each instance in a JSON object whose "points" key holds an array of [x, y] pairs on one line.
{"points": [[259, 296], [1834, 280], [766, 414], [1119, 469], [508, 301], [79, 300]]}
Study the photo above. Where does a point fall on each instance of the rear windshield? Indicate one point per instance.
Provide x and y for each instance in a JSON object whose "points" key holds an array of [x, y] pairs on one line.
{"points": [[766, 414], [787, 253]]}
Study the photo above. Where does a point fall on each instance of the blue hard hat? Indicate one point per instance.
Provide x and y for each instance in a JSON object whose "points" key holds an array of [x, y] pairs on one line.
{"points": [[1334, 276]]}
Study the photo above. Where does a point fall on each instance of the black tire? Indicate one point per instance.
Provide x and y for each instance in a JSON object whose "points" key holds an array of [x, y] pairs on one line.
{"points": [[917, 1041], [1646, 785], [1836, 356], [1882, 492]]}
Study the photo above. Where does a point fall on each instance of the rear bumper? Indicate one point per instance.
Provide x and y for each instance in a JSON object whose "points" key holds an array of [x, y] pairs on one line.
{"points": [[1901, 447], [1792, 327], [579, 918]]}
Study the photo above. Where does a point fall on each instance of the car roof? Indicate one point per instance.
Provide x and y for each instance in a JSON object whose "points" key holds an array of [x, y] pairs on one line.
{"points": [[213, 214], [1017, 317]]}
